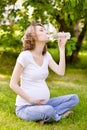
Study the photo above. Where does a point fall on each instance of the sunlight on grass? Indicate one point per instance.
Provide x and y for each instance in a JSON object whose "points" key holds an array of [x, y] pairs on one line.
{"points": [[4, 81], [4, 76], [83, 53]]}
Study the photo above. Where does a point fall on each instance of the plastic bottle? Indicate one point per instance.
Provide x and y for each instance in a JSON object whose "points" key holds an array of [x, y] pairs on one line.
{"points": [[60, 34]]}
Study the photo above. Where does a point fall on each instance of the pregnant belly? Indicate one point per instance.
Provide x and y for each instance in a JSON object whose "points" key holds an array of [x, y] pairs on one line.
{"points": [[41, 92]]}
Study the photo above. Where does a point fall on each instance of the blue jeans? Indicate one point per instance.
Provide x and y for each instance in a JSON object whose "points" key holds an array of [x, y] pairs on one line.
{"points": [[51, 111]]}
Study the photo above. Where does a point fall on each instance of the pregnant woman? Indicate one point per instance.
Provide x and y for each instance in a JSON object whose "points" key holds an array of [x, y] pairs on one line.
{"points": [[33, 100]]}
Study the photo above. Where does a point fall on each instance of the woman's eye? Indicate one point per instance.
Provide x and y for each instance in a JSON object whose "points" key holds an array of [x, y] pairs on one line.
{"points": [[41, 30]]}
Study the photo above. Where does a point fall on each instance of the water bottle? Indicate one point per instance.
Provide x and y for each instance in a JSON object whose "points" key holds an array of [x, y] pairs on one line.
{"points": [[60, 35]]}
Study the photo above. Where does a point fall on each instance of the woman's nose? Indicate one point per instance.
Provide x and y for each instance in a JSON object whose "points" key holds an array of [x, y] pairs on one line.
{"points": [[46, 32]]}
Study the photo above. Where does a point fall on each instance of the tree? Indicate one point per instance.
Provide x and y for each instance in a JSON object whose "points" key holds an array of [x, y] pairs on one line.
{"points": [[67, 15]]}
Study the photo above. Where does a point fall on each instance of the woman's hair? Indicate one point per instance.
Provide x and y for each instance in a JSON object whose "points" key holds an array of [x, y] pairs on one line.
{"points": [[30, 37]]}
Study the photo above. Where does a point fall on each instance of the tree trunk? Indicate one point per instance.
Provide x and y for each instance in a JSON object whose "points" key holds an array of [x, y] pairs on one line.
{"points": [[80, 37], [74, 56]]}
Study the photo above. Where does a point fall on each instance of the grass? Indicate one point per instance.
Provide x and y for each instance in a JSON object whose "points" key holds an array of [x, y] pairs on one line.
{"points": [[74, 81]]}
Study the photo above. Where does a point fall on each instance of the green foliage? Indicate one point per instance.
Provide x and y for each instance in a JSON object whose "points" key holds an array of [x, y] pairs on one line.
{"points": [[10, 36], [71, 46], [55, 53], [84, 46], [52, 44], [64, 15]]}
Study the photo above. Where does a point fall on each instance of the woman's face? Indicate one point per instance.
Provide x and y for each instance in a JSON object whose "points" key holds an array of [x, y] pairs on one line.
{"points": [[41, 34]]}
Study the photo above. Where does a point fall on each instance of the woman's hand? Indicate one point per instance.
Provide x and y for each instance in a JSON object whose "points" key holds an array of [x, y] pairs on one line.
{"points": [[62, 39], [36, 101]]}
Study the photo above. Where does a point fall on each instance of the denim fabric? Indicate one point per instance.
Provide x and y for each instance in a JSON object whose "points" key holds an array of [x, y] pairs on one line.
{"points": [[51, 111]]}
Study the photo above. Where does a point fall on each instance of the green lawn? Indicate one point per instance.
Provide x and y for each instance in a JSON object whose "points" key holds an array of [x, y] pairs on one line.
{"points": [[74, 81]]}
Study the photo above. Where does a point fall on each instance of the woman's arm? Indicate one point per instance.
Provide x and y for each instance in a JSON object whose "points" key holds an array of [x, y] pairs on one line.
{"points": [[59, 68], [16, 88], [15, 79]]}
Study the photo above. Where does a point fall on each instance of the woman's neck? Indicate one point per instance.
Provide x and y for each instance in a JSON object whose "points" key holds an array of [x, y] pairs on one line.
{"points": [[38, 49]]}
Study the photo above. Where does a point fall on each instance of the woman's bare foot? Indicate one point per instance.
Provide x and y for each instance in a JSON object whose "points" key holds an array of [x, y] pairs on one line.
{"points": [[67, 114], [41, 122]]}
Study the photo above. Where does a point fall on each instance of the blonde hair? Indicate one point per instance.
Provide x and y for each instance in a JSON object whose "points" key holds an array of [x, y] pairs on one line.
{"points": [[30, 37]]}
